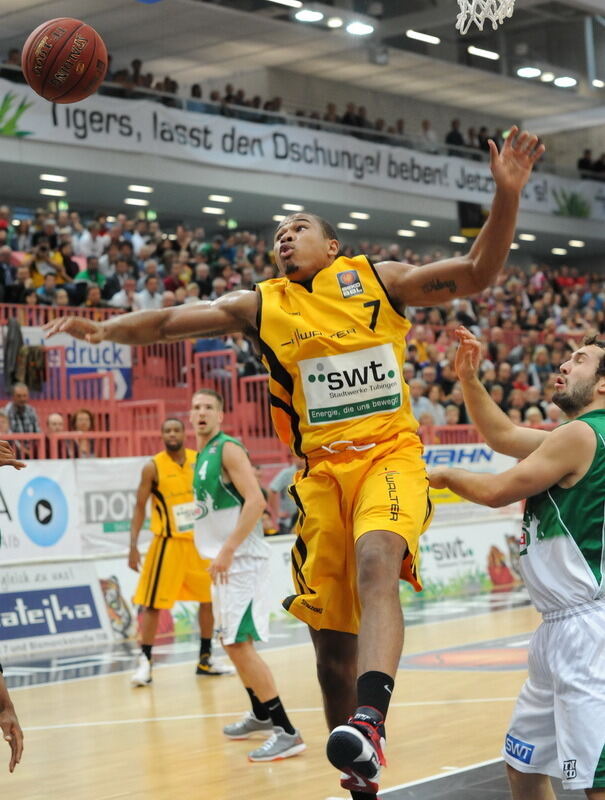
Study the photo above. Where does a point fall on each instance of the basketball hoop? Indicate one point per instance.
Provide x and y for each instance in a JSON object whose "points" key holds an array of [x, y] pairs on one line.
{"points": [[478, 11]]}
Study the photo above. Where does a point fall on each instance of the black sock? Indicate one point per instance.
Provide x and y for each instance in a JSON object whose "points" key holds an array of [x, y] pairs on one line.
{"points": [[278, 715], [205, 647], [146, 648], [258, 708], [362, 796], [374, 689]]}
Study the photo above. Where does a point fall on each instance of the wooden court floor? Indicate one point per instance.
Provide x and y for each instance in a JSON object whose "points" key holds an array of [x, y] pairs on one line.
{"points": [[98, 739]]}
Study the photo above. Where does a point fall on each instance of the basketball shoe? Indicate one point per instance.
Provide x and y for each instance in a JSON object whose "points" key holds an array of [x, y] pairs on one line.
{"points": [[356, 749], [279, 745], [142, 675], [248, 726], [206, 666]]}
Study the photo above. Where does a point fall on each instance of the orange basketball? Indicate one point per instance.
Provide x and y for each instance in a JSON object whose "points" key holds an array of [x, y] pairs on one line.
{"points": [[64, 60]]}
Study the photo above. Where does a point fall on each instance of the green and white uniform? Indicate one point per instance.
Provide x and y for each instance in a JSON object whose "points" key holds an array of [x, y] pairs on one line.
{"points": [[558, 727], [240, 606]]}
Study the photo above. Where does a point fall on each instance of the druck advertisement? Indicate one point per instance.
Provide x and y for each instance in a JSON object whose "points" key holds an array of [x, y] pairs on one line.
{"points": [[147, 127]]}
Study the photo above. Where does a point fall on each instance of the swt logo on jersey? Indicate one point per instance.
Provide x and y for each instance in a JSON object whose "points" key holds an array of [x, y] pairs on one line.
{"points": [[349, 283], [350, 385]]}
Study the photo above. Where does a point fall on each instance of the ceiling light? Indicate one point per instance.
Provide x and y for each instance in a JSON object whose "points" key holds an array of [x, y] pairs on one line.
{"points": [[529, 72], [136, 201], [422, 37], [404, 232], [53, 192], [515, 246], [292, 207], [307, 15], [576, 243], [547, 77], [527, 237], [565, 82], [347, 226], [420, 223], [220, 198], [53, 178], [359, 215], [479, 51], [559, 251], [458, 239], [279, 217], [110, 219], [334, 22], [598, 84], [212, 210], [359, 28], [134, 187], [291, 3]]}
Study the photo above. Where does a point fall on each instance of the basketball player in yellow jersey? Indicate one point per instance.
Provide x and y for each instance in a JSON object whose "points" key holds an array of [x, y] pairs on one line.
{"points": [[172, 569], [331, 331]]}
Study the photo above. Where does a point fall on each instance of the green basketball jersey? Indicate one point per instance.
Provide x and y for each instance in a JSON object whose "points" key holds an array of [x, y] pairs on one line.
{"points": [[563, 541], [219, 504]]}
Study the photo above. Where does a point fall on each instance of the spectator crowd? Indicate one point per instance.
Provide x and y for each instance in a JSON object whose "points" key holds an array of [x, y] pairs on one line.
{"points": [[528, 323]]}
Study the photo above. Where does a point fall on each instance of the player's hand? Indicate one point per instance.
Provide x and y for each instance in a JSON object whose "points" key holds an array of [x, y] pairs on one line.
{"points": [[219, 569], [512, 166], [468, 354], [79, 328], [12, 733], [438, 478], [7, 456], [134, 558]]}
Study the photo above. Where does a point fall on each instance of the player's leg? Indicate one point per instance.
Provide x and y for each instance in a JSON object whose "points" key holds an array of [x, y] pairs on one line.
{"points": [[595, 794], [529, 786], [336, 658], [153, 573]]}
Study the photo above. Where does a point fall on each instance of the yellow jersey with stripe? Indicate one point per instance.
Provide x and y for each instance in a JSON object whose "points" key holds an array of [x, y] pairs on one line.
{"points": [[172, 503], [334, 348]]}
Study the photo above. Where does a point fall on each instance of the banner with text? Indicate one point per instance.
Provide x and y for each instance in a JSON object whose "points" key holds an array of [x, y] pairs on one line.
{"points": [[107, 489], [50, 606], [476, 458], [147, 127], [39, 514], [82, 357]]}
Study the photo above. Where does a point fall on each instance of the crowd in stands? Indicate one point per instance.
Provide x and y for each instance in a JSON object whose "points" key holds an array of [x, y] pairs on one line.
{"points": [[529, 322]]}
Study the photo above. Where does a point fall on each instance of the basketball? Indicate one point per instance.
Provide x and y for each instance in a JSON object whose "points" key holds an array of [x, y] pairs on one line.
{"points": [[64, 60]]}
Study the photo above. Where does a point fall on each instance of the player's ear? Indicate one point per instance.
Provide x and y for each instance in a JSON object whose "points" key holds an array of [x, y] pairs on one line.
{"points": [[333, 248]]}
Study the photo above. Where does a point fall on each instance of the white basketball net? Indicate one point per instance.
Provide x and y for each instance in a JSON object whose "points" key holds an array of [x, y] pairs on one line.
{"points": [[478, 11]]}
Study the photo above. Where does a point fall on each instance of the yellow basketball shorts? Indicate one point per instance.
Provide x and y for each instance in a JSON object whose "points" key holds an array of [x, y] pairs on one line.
{"points": [[341, 498], [173, 570]]}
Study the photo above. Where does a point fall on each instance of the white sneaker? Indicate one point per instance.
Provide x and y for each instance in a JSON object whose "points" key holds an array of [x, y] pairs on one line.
{"points": [[142, 674]]}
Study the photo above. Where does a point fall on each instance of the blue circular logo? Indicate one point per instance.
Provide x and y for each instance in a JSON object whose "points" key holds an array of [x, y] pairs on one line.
{"points": [[42, 510]]}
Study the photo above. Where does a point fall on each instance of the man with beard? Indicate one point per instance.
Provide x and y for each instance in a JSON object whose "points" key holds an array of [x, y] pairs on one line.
{"points": [[172, 569], [558, 726]]}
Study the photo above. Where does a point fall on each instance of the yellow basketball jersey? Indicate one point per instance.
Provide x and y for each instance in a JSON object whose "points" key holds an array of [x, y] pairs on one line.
{"points": [[334, 348], [172, 506]]}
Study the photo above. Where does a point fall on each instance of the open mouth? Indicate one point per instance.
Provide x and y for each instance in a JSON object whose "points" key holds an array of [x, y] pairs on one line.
{"points": [[286, 251], [559, 384]]}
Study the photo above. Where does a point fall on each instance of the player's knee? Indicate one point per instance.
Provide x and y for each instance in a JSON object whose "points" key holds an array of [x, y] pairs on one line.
{"points": [[376, 569], [334, 672], [526, 784]]}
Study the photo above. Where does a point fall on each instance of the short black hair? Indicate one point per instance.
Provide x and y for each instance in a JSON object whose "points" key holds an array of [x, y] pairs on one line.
{"points": [[328, 230], [173, 419], [594, 340]]}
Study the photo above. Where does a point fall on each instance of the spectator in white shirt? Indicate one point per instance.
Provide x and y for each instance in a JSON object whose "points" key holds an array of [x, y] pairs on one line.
{"points": [[150, 270], [429, 137], [127, 297], [92, 242], [420, 403], [150, 297]]}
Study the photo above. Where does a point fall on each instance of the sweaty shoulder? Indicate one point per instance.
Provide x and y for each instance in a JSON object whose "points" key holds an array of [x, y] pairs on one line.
{"points": [[242, 304]]}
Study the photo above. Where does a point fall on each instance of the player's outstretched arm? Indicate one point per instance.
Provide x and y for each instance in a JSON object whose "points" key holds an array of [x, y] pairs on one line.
{"points": [[441, 281], [565, 455], [497, 429], [233, 313]]}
